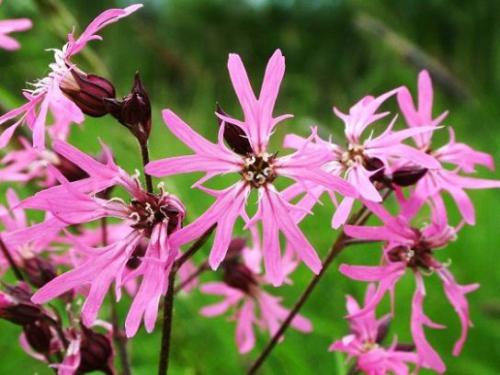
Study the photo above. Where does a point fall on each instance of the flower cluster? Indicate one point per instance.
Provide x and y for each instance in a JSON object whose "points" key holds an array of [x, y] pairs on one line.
{"points": [[104, 231]]}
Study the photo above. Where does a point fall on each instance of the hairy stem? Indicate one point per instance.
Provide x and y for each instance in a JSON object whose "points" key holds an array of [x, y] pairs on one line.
{"points": [[118, 338], [12, 263], [340, 243], [168, 302]]}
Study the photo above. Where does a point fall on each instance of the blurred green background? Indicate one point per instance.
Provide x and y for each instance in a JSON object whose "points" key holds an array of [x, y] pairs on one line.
{"points": [[336, 52]]}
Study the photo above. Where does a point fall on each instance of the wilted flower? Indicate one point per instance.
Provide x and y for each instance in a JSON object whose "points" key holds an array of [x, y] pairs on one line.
{"points": [[242, 290], [257, 169], [364, 343], [47, 95], [407, 247]]}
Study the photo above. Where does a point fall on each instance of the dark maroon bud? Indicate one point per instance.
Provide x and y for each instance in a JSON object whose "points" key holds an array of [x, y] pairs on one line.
{"points": [[70, 170], [239, 276], [408, 176], [134, 110], [38, 270], [234, 135], [88, 92], [39, 336], [135, 259], [374, 164], [16, 306], [96, 352], [405, 347], [383, 329], [234, 252]]}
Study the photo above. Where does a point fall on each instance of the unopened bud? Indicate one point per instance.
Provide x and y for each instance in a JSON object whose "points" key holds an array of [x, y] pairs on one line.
{"points": [[135, 259], [70, 170], [88, 92], [374, 164], [239, 276], [405, 347], [134, 110], [38, 270], [96, 352], [16, 306], [234, 135], [39, 336], [383, 329], [408, 176]]}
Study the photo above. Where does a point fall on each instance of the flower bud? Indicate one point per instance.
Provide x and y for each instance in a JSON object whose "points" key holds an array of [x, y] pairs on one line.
{"points": [[88, 92], [16, 306], [408, 176], [383, 329], [39, 336], [96, 352], [135, 259], [374, 164], [239, 276], [38, 270], [134, 110], [70, 170], [234, 135]]}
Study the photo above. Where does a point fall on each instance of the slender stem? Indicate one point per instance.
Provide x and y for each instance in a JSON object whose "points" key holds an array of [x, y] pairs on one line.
{"points": [[168, 304], [202, 268], [13, 265], [194, 248], [145, 161], [119, 339], [340, 243], [334, 251], [168, 308]]}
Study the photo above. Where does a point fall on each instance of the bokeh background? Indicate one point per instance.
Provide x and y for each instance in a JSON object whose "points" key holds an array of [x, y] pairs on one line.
{"points": [[336, 51]]}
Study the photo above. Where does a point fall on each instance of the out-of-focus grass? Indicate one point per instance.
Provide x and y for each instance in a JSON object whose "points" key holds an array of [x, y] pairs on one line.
{"points": [[181, 48]]}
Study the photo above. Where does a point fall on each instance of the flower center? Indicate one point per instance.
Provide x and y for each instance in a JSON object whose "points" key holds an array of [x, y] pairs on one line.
{"points": [[258, 169], [369, 345], [417, 256], [354, 155], [153, 209]]}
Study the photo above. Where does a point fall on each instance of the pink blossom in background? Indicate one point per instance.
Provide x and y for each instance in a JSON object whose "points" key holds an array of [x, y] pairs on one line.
{"points": [[47, 98], [145, 251], [462, 157], [257, 167], [365, 157], [243, 292], [407, 247], [364, 343], [37, 259], [11, 26]]}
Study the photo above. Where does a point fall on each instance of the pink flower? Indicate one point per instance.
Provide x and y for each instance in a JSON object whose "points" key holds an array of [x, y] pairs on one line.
{"points": [[144, 252], [407, 247], [364, 158], [47, 97], [243, 291], [30, 165], [461, 156], [11, 26], [257, 167], [39, 258], [364, 343]]}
